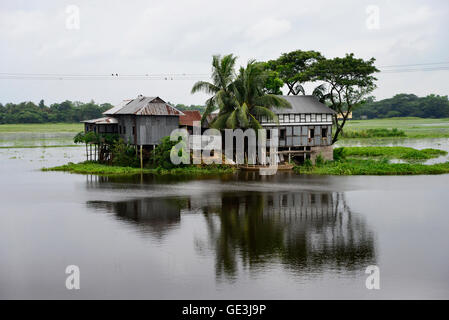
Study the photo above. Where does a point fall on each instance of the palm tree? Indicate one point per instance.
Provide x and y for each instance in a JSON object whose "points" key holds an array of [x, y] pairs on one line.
{"points": [[221, 88], [251, 100], [241, 99]]}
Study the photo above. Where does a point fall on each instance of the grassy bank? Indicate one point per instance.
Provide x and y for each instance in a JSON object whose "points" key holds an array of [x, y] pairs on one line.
{"points": [[42, 127], [404, 153], [372, 167], [411, 127], [90, 167]]}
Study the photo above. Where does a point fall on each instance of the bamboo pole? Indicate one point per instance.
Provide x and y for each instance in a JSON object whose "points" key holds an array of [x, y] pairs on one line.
{"points": [[141, 158]]}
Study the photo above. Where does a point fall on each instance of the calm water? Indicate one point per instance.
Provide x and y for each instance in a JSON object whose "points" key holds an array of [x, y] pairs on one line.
{"points": [[236, 237]]}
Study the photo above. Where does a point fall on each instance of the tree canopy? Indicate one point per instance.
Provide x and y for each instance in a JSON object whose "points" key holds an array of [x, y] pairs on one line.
{"points": [[66, 111], [405, 105], [349, 81], [241, 99]]}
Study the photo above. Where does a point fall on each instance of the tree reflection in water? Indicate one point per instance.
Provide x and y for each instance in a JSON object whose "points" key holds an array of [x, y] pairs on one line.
{"points": [[305, 231], [302, 231]]}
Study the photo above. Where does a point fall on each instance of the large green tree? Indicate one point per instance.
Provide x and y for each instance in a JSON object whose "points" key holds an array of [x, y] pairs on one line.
{"points": [[349, 80], [294, 68]]}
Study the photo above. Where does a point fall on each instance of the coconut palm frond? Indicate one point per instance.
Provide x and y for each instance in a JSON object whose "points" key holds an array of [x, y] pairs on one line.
{"points": [[205, 86], [242, 115]]}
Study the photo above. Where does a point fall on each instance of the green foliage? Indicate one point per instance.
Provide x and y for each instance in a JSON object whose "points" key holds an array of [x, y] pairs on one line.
{"points": [[405, 153], [319, 161], [66, 111], [96, 138], [349, 79], [294, 68], [373, 133], [183, 107], [308, 163], [406, 105], [339, 154], [161, 154], [91, 167], [241, 99], [373, 167], [124, 155]]}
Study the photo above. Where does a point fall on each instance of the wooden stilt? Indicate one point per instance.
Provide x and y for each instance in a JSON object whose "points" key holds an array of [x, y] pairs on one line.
{"points": [[289, 155], [141, 158]]}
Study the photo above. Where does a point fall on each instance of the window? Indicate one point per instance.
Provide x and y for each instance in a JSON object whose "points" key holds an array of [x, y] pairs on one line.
{"points": [[268, 134], [303, 118], [282, 134], [318, 117], [324, 133], [292, 118], [311, 134], [329, 117], [307, 117], [296, 117], [313, 117]]}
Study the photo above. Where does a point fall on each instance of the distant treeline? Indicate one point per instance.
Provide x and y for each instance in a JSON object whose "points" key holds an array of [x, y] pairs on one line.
{"points": [[67, 111], [183, 107], [401, 105], [405, 105]]}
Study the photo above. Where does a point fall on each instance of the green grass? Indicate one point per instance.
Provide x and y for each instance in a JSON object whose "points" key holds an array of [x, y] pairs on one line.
{"points": [[405, 153], [42, 127], [90, 167], [373, 133], [412, 127], [372, 167]]}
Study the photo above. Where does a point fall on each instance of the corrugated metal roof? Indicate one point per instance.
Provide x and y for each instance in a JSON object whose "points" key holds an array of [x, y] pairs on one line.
{"points": [[188, 117], [145, 106], [303, 104], [104, 120], [117, 108]]}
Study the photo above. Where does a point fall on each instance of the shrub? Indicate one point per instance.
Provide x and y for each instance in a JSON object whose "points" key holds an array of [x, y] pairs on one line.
{"points": [[124, 155], [319, 161], [161, 154], [339, 154]]}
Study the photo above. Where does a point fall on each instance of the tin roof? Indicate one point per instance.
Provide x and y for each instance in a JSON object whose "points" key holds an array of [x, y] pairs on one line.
{"points": [[188, 117], [303, 104], [146, 106], [104, 120]]}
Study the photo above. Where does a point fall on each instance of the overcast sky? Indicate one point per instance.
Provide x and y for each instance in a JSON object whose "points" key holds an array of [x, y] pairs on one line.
{"points": [[153, 37]]}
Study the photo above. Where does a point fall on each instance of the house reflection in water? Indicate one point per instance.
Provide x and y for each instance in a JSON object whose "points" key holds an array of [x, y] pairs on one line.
{"points": [[153, 216], [299, 231], [304, 231]]}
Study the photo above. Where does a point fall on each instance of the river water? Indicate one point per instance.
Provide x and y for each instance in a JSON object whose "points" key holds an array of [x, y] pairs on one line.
{"points": [[241, 236]]}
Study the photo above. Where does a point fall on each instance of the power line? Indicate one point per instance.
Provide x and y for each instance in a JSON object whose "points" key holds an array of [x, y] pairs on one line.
{"points": [[400, 68]]}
